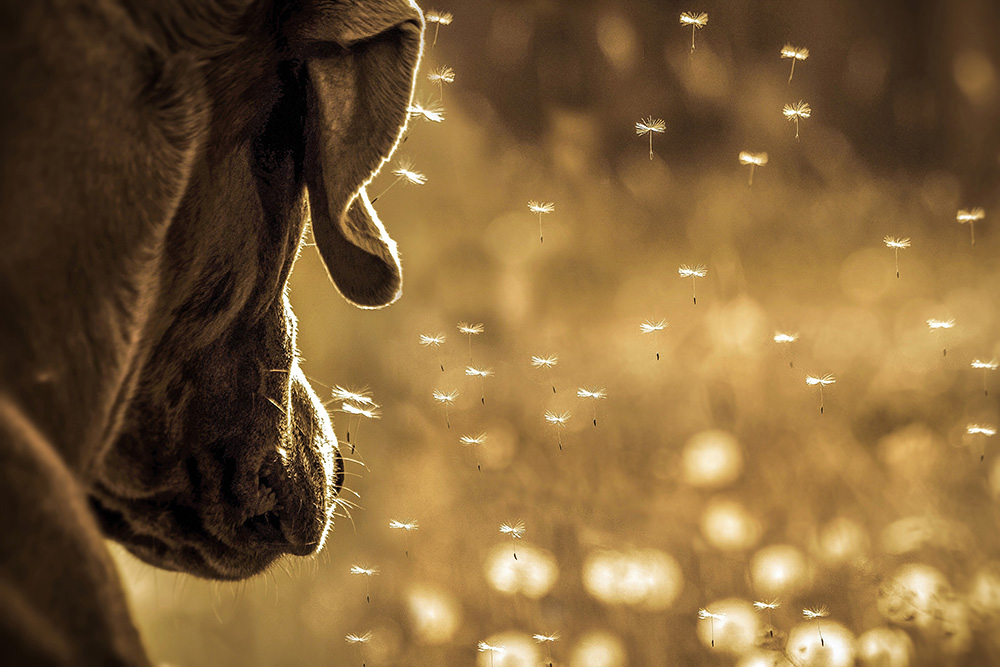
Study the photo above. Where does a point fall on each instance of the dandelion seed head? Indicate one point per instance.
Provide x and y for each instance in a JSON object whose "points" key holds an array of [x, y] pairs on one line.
{"points": [[483, 647], [432, 341], [796, 52], [407, 525], [367, 413], [515, 529], [541, 207], [816, 612], [472, 371], [441, 75], [441, 18], [406, 172], [368, 571], [542, 639], [359, 639], [471, 329], [699, 271], [981, 429], [990, 365], [442, 397], [648, 327], [971, 215], [699, 20], [773, 604], [544, 362], [583, 392], [798, 110], [357, 397], [892, 242], [781, 337], [756, 159], [429, 112], [472, 440], [822, 380], [557, 419], [650, 124], [940, 324], [705, 614]]}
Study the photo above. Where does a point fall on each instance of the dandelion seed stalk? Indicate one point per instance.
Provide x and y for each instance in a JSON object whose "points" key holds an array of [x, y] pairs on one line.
{"points": [[754, 160], [547, 363], [693, 273], [969, 217], [516, 531], [896, 244], [435, 341], [594, 395], [816, 614], [706, 614], [985, 430], [794, 53], [650, 126], [474, 441], [696, 21], [985, 366], [820, 382], [941, 325], [559, 421], [770, 606], [795, 112], [541, 208], [446, 399], [651, 327]]}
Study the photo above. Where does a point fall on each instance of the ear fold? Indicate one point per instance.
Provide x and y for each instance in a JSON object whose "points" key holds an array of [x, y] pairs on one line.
{"points": [[361, 61]]}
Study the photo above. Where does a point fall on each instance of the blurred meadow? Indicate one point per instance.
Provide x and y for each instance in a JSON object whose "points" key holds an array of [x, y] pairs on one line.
{"points": [[711, 479]]}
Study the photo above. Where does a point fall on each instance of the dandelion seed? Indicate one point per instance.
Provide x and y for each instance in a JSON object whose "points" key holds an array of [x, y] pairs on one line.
{"points": [[516, 531], [435, 341], [559, 421], [359, 641], [447, 400], [353, 410], [987, 430], [441, 76], [593, 394], [407, 527], [367, 573], [816, 614], [770, 606], [482, 374], [483, 647], [547, 640], [793, 112], [404, 172], [357, 397], [650, 126], [896, 244], [820, 382], [649, 327], [432, 113], [985, 366], [474, 441], [696, 21], [693, 273], [939, 325], [540, 208], [754, 160], [794, 53], [471, 330], [705, 614], [547, 363], [970, 216], [783, 338], [438, 19]]}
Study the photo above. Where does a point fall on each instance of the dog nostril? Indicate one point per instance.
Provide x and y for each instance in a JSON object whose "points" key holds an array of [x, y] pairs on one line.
{"points": [[277, 518]]}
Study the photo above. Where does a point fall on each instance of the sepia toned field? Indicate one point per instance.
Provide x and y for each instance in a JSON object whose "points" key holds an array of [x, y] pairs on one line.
{"points": [[663, 463]]}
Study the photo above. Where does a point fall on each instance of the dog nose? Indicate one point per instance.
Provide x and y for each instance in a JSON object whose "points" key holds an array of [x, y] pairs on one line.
{"points": [[284, 516]]}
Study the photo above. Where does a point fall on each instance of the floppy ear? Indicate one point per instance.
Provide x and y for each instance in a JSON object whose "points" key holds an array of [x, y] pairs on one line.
{"points": [[361, 60]]}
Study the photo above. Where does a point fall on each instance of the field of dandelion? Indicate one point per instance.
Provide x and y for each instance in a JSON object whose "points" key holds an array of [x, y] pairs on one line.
{"points": [[633, 406]]}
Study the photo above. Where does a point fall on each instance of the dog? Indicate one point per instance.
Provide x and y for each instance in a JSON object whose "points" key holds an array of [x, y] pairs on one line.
{"points": [[160, 161]]}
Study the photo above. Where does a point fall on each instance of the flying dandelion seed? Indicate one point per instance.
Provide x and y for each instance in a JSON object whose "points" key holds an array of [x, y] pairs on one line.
{"points": [[987, 430], [593, 394], [435, 341], [474, 441], [516, 531], [471, 330], [896, 244], [432, 113], [361, 413], [357, 397], [693, 273], [540, 208], [559, 421], [404, 172], [816, 614], [483, 647], [359, 641], [754, 160], [985, 366], [770, 606], [547, 363], [438, 19], [547, 640], [649, 327], [940, 325], [482, 374], [696, 21], [367, 573], [820, 382], [783, 338], [441, 76], [793, 112], [794, 53], [705, 614], [650, 126], [970, 217], [447, 400], [407, 527]]}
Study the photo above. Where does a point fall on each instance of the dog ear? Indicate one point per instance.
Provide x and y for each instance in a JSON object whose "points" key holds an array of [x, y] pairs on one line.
{"points": [[361, 59]]}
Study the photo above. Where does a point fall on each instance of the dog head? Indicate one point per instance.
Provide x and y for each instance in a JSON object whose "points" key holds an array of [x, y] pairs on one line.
{"points": [[225, 458]]}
